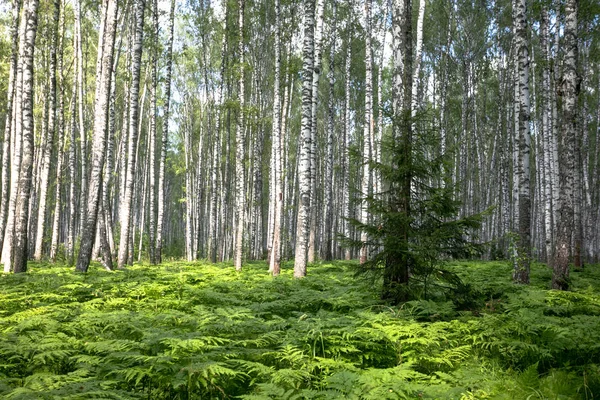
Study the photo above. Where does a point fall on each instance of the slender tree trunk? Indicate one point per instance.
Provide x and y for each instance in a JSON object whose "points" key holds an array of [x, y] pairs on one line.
{"points": [[547, 133], [368, 132], [19, 251], [418, 58], [72, 174], [9, 125], [16, 147], [104, 66], [61, 146], [328, 210], [83, 203], [277, 187], [47, 144], [567, 138], [152, 142], [521, 273], [316, 74], [346, 145], [304, 164], [160, 219], [126, 206], [240, 195]]}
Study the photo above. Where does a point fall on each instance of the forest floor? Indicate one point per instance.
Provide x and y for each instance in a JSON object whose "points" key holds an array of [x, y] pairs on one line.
{"points": [[198, 331]]}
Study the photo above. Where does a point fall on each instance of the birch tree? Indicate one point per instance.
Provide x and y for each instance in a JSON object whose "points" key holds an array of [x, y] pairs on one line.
{"points": [[51, 131], [277, 187], [126, 206], [306, 155], [104, 69], [568, 89], [18, 253], [521, 273], [240, 194], [367, 129], [160, 219]]}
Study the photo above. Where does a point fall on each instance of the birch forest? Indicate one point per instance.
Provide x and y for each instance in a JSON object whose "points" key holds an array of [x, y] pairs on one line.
{"points": [[392, 139]]}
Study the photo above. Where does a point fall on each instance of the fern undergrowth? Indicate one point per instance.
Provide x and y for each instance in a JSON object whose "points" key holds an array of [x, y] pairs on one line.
{"points": [[199, 331]]}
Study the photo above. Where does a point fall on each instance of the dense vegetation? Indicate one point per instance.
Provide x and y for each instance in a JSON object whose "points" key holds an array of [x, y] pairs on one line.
{"points": [[191, 331]]}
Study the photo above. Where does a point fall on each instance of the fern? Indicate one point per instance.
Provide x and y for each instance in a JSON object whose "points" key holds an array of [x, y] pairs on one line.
{"points": [[184, 331]]}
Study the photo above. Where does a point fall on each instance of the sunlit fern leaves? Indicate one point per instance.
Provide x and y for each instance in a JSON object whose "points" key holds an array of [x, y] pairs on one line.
{"points": [[194, 331]]}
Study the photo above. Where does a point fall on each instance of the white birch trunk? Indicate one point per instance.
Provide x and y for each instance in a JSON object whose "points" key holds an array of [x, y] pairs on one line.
{"points": [[126, 206], [305, 144], [367, 132], [277, 186], [47, 145], [104, 66], [19, 250], [240, 194]]}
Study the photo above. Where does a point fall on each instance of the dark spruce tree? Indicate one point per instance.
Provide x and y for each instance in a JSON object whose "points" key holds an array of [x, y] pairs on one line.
{"points": [[409, 246]]}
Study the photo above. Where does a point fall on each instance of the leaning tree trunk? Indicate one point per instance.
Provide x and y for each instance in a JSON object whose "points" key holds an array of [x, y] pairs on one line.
{"points": [[304, 181], [104, 67], [567, 137], [134, 105]]}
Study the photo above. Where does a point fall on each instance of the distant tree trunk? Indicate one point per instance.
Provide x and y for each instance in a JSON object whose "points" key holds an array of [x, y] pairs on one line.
{"points": [[9, 125], [318, 42], [56, 221], [368, 131], [418, 57], [240, 193], [134, 104], [567, 137], [277, 187], [305, 143], [160, 219], [547, 134], [104, 67], [83, 189], [521, 273], [19, 250], [70, 250], [152, 141], [346, 145], [328, 210], [47, 144]]}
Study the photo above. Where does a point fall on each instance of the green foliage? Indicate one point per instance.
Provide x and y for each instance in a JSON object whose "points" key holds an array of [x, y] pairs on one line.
{"points": [[192, 331], [416, 225]]}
